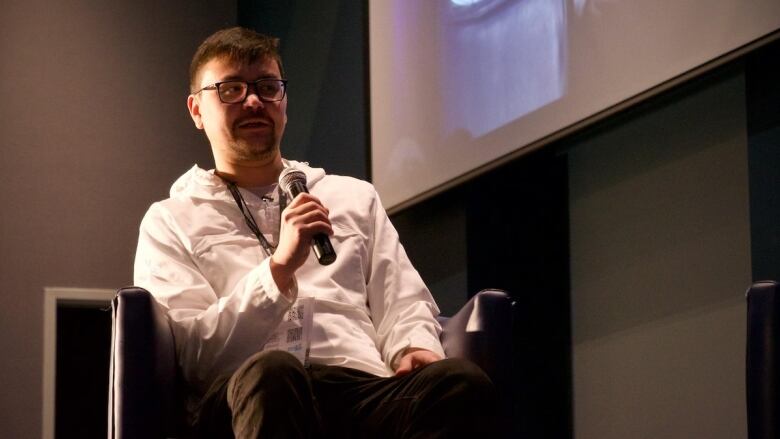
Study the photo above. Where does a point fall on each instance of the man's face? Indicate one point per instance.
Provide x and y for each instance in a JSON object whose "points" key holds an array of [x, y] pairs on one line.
{"points": [[241, 133]]}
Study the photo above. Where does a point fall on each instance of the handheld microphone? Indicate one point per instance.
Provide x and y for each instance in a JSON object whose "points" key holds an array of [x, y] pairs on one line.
{"points": [[293, 182]]}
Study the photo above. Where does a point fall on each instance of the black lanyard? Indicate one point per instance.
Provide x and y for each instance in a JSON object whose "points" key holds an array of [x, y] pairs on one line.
{"points": [[250, 220]]}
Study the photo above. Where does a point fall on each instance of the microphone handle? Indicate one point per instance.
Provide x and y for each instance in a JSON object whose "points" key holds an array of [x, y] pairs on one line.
{"points": [[320, 243]]}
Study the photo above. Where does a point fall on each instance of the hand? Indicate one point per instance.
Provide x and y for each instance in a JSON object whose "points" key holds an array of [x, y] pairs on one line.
{"points": [[303, 218], [412, 358]]}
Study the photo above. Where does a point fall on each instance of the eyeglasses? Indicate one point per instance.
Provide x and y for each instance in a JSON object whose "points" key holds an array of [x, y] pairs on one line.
{"points": [[234, 92]]}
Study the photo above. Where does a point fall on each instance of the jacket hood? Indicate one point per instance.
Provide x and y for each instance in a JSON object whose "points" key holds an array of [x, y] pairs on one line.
{"points": [[204, 184]]}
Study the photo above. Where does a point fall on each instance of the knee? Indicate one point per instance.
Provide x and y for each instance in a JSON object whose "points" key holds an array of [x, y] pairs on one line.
{"points": [[460, 369], [269, 364], [270, 396], [273, 362], [268, 373], [464, 378]]}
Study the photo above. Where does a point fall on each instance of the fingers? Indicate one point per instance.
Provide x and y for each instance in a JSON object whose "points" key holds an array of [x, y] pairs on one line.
{"points": [[307, 216], [404, 367], [302, 219], [414, 358], [303, 198]]}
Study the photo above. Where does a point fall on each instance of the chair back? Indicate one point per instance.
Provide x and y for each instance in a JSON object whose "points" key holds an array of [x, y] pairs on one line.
{"points": [[144, 400]]}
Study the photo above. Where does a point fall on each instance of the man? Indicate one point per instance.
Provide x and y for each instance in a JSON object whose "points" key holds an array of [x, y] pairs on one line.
{"points": [[228, 255]]}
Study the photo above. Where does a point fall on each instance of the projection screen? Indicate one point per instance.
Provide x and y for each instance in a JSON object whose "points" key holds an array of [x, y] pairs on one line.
{"points": [[458, 86]]}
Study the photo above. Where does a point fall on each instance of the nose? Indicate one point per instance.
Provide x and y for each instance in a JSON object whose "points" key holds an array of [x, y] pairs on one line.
{"points": [[252, 100]]}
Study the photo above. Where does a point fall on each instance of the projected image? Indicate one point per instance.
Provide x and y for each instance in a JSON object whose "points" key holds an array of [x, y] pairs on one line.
{"points": [[503, 59], [459, 86], [455, 75]]}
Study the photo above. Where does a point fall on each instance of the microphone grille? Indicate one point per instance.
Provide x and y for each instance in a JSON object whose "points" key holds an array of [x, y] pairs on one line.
{"points": [[290, 175]]}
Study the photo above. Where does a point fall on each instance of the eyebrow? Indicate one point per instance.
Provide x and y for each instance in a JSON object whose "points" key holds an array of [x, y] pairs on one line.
{"points": [[240, 78]]}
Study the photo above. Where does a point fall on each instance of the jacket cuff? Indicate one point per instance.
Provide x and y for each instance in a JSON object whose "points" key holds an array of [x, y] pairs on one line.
{"points": [[420, 341], [273, 292]]}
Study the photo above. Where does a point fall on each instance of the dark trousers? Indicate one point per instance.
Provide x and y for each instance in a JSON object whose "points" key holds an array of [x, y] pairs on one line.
{"points": [[273, 396]]}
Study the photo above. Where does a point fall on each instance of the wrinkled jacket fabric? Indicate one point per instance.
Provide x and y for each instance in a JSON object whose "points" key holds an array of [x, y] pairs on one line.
{"points": [[199, 259]]}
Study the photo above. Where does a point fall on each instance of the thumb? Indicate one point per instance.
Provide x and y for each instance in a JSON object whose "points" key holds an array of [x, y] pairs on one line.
{"points": [[405, 366]]}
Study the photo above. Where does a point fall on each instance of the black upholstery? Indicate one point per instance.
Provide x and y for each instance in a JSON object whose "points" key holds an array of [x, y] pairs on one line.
{"points": [[481, 331], [763, 360], [144, 399], [143, 392]]}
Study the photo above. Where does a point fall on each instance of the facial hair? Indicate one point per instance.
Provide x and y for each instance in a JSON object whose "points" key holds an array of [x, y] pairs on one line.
{"points": [[253, 149]]}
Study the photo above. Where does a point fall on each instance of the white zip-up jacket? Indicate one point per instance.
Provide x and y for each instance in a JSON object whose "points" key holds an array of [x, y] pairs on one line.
{"points": [[199, 259]]}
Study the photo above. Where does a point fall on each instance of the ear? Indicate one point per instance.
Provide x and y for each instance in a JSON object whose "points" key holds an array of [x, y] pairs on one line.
{"points": [[193, 104]]}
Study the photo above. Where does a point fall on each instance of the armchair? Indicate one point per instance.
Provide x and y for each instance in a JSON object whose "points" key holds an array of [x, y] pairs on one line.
{"points": [[145, 389], [763, 360]]}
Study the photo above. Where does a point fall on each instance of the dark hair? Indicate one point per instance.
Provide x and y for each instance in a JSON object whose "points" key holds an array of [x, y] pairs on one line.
{"points": [[237, 44]]}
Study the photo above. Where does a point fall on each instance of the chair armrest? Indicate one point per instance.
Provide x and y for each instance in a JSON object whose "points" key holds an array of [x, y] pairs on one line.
{"points": [[482, 333], [143, 385], [763, 360]]}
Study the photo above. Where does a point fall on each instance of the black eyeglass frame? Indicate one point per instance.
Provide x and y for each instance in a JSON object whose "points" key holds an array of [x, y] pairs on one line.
{"points": [[215, 86]]}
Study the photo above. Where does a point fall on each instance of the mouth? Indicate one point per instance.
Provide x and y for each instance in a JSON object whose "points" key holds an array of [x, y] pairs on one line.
{"points": [[253, 124]]}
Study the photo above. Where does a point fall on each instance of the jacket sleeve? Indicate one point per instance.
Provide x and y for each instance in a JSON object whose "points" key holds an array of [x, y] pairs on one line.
{"points": [[402, 309], [210, 330]]}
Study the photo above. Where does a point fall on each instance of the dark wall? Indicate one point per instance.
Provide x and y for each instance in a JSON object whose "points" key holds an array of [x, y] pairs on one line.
{"points": [[517, 235]]}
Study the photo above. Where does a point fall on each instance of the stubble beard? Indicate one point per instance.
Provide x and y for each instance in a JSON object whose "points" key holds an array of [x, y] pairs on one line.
{"points": [[258, 151]]}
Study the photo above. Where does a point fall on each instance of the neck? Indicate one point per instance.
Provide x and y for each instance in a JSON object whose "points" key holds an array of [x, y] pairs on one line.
{"points": [[249, 175]]}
